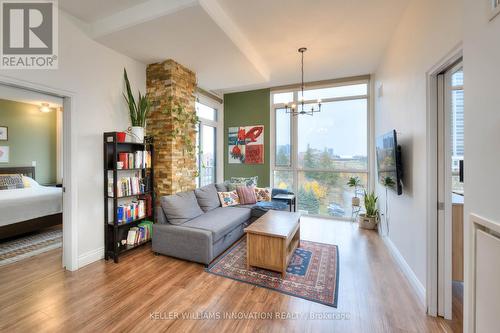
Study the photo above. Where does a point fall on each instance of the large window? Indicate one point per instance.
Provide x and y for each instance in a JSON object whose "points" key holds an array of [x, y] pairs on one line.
{"points": [[206, 137], [314, 156]]}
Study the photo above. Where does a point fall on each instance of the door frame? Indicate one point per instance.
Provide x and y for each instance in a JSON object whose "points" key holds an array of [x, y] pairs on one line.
{"points": [[433, 238], [70, 202]]}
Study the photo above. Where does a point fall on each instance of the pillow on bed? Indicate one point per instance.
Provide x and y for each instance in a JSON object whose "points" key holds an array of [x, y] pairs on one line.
{"points": [[29, 182], [9, 182]]}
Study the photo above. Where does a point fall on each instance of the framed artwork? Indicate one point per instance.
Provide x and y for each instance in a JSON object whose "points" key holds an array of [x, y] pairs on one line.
{"points": [[246, 144], [4, 131], [4, 154]]}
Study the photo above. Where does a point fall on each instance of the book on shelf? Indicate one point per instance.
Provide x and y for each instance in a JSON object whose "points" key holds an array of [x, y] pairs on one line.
{"points": [[126, 213], [137, 160], [127, 186], [140, 234]]}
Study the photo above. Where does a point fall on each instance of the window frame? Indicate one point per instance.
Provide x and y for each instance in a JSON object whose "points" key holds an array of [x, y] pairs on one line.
{"points": [[294, 167], [217, 124]]}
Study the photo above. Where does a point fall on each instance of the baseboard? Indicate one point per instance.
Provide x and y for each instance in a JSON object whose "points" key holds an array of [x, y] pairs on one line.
{"points": [[90, 257], [407, 271]]}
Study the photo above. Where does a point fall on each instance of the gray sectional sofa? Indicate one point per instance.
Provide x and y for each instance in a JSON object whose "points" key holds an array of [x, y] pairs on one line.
{"points": [[193, 225]]}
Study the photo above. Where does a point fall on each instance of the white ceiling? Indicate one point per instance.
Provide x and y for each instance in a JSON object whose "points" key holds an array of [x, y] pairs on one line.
{"points": [[93, 10], [239, 44]]}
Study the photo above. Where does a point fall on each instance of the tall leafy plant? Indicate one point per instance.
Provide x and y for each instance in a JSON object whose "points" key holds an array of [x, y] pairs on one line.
{"points": [[138, 110], [371, 204]]}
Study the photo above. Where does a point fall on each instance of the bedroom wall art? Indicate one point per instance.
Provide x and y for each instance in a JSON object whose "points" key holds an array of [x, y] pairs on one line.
{"points": [[246, 144], [4, 134], [4, 154]]}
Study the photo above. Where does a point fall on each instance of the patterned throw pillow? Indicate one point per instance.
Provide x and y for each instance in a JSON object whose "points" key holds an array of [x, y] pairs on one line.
{"points": [[242, 181], [9, 182], [263, 193], [229, 198], [246, 194]]}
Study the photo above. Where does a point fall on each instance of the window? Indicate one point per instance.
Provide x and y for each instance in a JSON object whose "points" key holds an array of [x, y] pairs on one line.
{"points": [[206, 148], [314, 156], [457, 128]]}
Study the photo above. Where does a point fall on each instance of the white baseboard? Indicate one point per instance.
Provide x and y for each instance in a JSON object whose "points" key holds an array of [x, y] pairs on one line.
{"points": [[90, 257], [418, 287]]}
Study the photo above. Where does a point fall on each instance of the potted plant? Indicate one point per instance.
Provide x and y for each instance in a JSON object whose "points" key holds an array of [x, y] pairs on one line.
{"points": [[138, 111], [387, 182], [369, 220], [355, 182]]}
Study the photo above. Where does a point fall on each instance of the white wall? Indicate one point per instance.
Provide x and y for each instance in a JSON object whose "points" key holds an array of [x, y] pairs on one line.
{"points": [[482, 120], [428, 31], [95, 74]]}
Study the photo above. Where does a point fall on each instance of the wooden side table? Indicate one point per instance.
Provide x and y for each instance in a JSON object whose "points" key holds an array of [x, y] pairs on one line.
{"points": [[289, 198]]}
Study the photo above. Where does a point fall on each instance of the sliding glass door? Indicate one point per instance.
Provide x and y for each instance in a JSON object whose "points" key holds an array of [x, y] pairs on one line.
{"points": [[315, 155]]}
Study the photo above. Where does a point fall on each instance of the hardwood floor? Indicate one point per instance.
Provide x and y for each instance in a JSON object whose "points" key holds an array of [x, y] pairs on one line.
{"points": [[143, 290]]}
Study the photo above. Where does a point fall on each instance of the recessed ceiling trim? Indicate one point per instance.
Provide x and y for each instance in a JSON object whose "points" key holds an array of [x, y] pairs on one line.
{"points": [[138, 14], [231, 29]]}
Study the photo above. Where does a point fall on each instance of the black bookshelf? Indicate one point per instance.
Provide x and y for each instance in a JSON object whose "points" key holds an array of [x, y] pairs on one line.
{"points": [[114, 230]]}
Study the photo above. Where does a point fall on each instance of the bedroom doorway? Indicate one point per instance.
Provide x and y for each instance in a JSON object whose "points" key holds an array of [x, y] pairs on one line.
{"points": [[36, 148]]}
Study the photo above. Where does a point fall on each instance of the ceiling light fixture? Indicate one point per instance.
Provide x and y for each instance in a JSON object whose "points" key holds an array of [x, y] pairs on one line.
{"points": [[304, 109], [45, 108]]}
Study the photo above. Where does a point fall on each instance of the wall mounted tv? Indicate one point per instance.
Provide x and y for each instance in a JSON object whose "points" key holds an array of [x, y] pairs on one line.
{"points": [[389, 160]]}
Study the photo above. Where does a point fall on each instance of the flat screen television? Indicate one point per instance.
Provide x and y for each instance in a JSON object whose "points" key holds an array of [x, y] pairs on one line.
{"points": [[389, 160]]}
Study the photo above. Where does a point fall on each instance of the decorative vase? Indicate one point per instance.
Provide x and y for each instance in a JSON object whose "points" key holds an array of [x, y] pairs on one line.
{"points": [[367, 222], [137, 134], [355, 201], [121, 136]]}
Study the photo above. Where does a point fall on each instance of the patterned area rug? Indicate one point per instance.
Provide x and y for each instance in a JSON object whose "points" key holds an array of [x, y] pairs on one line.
{"points": [[28, 246], [312, 273]]}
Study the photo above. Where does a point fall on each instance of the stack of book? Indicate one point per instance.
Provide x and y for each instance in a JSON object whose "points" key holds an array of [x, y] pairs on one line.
{"points": [[140, 234], [127, 213], [137, 160], [127, 186]]}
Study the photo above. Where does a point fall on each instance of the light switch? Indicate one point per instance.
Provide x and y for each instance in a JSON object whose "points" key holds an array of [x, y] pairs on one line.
{"points": [[33, 163]]}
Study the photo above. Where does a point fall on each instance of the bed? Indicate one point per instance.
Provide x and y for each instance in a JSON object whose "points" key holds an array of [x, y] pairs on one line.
{"points": [[28, 209]]}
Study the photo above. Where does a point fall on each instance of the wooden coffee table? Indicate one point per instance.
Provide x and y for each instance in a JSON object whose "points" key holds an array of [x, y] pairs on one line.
{"points": [[272, 240]]}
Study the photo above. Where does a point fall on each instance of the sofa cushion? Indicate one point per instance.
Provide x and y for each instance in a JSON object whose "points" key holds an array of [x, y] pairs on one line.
{"points": [[220, 220], [181, 207], [246, 194], [222, 187], [228, 198], [207, 197], [263, 193], [241, 181]]}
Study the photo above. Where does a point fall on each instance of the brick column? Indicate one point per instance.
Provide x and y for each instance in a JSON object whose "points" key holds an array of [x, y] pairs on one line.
{"points": [[175, 168]]}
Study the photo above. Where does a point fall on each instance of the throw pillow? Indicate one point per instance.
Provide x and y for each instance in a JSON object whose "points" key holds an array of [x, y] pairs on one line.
{"points": [[248, 181], [263, 193], [242, 181], [10, 182], [246, 194], [228, 198]]}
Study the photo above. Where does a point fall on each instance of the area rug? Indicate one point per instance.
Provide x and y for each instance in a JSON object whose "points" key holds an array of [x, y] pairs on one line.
{"points": [[312, 274], [29, 246]]}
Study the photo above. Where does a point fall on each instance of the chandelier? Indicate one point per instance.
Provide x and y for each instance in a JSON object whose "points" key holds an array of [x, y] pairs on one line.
{"points": [[304, 109]]}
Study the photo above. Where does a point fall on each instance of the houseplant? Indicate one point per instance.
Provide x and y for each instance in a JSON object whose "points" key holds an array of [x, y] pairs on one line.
{"points": [[369, 220], [387, 182], [355, 182], [138, 111]]}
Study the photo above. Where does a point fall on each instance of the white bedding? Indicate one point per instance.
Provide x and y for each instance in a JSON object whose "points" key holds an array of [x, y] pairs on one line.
{"points": [[28, 203]]}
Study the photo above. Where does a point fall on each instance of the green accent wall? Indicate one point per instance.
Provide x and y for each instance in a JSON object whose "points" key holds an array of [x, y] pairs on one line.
{"points": [[246, 109], [32, 137]]}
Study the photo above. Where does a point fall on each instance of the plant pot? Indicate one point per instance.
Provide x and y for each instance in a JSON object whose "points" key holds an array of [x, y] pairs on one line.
{"points": [[355, 202], [121, 136], [367, 222], [137, 134]]}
